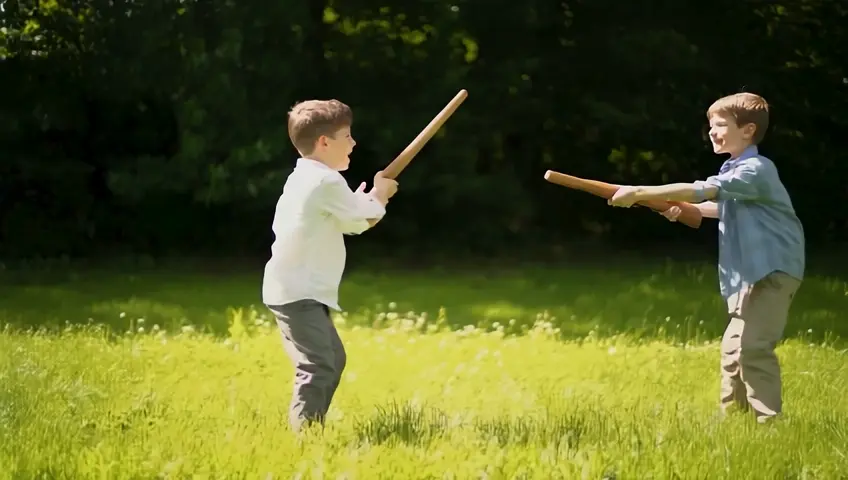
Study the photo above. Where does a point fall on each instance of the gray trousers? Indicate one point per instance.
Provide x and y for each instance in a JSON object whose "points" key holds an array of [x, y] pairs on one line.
{"points": [[312, 343]]}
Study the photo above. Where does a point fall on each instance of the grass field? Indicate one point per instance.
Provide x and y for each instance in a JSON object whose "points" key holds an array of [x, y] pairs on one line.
{"points": [[532, 372]]}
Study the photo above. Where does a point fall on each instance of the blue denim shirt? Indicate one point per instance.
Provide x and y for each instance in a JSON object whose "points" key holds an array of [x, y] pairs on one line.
{"points": [[759, 232]]}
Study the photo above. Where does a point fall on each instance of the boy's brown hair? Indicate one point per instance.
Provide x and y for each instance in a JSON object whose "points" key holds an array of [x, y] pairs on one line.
{"points": [[745, 108], [311, 119]]}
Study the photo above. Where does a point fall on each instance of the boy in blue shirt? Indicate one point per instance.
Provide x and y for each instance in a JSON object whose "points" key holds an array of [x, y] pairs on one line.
{"points": [[761, 249]]}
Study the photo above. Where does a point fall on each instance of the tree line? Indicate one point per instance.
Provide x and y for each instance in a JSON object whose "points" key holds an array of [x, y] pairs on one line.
{"points": [[159, 126]]}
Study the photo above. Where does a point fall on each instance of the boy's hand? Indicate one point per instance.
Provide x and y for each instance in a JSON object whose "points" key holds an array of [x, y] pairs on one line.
{"points": [[672, 213], [625, 197], [384, 187]]}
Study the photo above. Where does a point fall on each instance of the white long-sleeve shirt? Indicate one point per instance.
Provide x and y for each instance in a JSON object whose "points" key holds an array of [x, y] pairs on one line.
{"points": [[316, 209]]}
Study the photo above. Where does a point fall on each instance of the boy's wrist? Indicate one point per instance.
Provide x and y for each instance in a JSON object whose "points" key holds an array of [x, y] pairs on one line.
{"points": [[642, 193], [380, 196]]}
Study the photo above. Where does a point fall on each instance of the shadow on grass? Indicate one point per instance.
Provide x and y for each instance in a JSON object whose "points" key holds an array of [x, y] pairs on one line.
{"points": [[654, 299], [679, 301], [166, 298]]}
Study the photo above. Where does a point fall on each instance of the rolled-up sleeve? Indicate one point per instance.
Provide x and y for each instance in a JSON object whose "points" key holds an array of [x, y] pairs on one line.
{"points": [[742, 182], [351, 209]]}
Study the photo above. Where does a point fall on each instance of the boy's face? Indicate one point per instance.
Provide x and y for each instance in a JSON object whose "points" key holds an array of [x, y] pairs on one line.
{"points": [[727, 137], [335, 150]]}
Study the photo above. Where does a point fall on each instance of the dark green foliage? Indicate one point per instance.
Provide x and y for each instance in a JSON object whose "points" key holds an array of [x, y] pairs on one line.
{"points": [[158, 126]]}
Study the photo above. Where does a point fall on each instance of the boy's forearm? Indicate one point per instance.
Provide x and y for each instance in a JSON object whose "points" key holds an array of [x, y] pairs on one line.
{"points": [[379, 197], [677, 192], [708, 209], [683, 192]]}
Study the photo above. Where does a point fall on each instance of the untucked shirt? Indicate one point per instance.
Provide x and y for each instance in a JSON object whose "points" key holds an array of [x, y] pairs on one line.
{"points": [[316, 209], [759, 232]]}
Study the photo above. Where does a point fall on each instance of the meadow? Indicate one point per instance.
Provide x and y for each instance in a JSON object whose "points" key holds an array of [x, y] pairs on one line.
{"points": [[535, 371]]}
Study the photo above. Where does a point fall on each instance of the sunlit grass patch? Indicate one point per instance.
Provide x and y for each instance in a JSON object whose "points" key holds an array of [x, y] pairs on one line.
{"points": [[415, 401], [535, 373]]}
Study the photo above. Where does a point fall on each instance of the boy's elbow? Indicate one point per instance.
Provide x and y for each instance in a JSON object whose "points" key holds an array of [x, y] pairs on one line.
{"points": [[742, 193], [732, 190], [356, 227], [707, 193]]}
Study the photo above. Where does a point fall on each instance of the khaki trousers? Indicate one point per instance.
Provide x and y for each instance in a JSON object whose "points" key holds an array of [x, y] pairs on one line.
{"points": [[750, 371]]}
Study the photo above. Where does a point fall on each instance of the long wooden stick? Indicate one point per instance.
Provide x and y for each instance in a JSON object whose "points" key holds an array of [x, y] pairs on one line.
{"points": [[402, 160], [690, 215]]}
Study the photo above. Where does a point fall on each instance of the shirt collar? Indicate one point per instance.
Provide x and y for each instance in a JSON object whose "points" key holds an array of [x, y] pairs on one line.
{"points": [[751, 151], [308, 162]]}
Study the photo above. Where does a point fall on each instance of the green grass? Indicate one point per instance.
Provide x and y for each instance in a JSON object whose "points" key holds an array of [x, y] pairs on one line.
{"points": [[489, 373]]}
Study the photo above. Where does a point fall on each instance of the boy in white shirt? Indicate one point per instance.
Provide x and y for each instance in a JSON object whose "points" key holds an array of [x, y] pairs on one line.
{"points": [[302, 277]]}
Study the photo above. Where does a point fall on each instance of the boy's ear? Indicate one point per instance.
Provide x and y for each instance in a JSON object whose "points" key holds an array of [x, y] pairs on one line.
{"points": [[750, 129]]}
